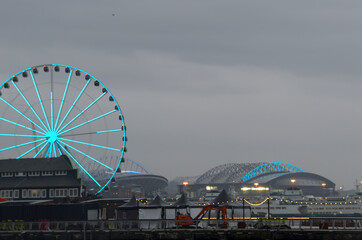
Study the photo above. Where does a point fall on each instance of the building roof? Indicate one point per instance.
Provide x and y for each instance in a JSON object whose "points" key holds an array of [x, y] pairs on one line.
{"points": [[38, 182], [157, 202], [35, 164], [226, 173]]}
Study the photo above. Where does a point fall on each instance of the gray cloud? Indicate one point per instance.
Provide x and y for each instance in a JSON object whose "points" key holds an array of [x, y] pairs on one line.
{"points": [[210, 82]]}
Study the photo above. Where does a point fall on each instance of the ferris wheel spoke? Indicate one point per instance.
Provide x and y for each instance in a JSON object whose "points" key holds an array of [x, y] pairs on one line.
{"points": [[51, 110], [106, 131], [49, 151], [65, 150], [85, 109], [40, 150], [103, 115], [70, 109], [31, 149], [55, 151], [17, 124], [23, 144], [59, 148], [90, 144], [26, 100], [41, 102], [64, 95], [87, 155], [23, 115], [20, 135]]}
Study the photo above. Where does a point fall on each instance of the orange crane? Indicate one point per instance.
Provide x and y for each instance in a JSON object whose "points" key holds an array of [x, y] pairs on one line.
{"points": [[186, 220]]}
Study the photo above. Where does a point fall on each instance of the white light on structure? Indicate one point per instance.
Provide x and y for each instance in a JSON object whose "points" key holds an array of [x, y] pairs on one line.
{"points": [[254, 189], [185, 183], [208, 188]]}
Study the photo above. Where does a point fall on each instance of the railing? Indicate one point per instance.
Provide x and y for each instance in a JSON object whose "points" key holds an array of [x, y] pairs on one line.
{"points": [[248, 224]]}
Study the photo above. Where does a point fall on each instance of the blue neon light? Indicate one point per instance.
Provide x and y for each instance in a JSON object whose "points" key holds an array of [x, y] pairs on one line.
{"points": [[21, 114], [65, 93], [103, 115], [49, 149], [52, 136], [107, 131], [17, 124], [80, 165], [26, 100], [31, 149], [87, 155], [41, 102], [23, 144], [271, 167], [90, 144], [55, 152], [85, 109], [70, 109], [20, 135], [40, 150]]}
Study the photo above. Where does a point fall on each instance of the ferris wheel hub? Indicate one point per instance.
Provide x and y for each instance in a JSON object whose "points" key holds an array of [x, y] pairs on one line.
{"points": [[52, 136]]}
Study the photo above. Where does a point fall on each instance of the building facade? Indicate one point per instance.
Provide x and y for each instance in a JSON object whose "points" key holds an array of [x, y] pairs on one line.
{"points": [[39, 179]]}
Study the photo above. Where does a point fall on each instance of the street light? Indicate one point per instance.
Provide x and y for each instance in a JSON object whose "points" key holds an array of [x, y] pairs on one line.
{"points": [[256, 184]]}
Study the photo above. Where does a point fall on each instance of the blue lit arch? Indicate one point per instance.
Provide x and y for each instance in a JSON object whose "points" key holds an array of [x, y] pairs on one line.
{"points": [[271, 167]]}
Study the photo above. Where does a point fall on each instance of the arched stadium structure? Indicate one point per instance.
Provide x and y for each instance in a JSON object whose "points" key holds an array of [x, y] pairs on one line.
{"points": [[131, 179], [237, 178]]}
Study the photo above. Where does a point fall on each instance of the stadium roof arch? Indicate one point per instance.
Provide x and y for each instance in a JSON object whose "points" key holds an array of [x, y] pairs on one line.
{"points": [[226, 173]]}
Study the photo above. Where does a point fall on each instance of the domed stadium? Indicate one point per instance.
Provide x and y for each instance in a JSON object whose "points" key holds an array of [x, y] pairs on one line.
{"points": [[241, 178], [131, 179]]}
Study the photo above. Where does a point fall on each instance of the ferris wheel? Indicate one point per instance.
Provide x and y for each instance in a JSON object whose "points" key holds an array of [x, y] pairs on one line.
{"points": [[54, 109]]}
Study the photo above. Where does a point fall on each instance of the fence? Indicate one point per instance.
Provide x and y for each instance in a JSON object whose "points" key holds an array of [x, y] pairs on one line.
{"points": [[110, 225]]}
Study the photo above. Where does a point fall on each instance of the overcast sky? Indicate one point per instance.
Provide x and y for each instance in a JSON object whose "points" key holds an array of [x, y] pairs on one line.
{"points": [[203, 83]]}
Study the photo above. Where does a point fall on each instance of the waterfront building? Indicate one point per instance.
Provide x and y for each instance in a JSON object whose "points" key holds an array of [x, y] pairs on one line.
{"points": [[38, 179]]}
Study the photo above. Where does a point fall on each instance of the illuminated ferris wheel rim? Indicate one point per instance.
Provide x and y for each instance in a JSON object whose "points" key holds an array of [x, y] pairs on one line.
{"points": [[52, 133]]}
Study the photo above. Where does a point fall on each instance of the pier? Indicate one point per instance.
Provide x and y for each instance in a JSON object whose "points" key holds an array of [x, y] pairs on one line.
{"points": [[251, 229]]}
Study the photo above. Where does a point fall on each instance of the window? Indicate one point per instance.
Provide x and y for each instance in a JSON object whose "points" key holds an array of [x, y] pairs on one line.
{"points": [[24, 193], [43, 193], [47, 173], [73, 192], [20, 174], [61, 172], [32, 174], [51, 193], [16, 193], [7, 174]]}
